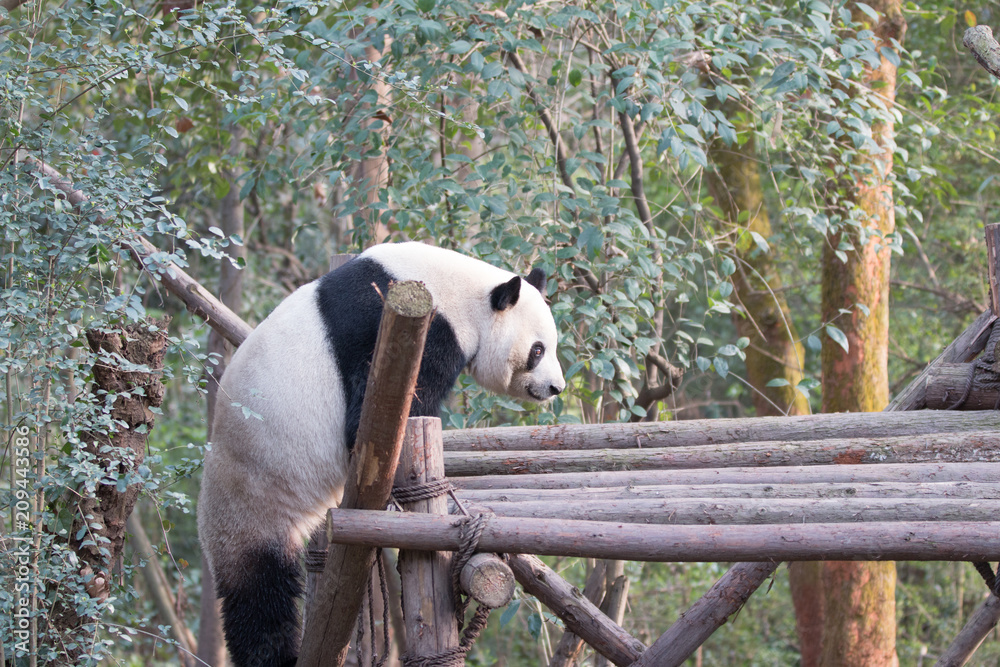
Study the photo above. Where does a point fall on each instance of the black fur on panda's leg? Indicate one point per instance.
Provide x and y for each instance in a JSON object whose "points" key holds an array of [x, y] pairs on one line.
{"points": [[260, 609]]}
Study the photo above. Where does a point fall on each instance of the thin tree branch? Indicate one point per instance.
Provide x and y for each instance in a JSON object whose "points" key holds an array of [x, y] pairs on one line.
{"points": [[546, 119], [198, 300]]}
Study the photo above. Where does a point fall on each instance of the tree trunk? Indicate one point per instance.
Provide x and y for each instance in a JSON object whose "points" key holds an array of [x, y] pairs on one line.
{"points": [[774, 351], [859, 598]]}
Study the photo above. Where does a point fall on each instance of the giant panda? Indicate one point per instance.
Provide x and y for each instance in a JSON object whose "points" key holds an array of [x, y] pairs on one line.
{"points": [[274, 468]]}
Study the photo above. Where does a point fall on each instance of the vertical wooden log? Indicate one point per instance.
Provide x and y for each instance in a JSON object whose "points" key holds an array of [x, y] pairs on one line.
{"points": [[406, 318], [428, 609], [992, 259]]}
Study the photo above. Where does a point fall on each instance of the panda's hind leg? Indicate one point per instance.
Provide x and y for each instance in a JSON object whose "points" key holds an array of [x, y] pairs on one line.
{"points": [[260, 607]]}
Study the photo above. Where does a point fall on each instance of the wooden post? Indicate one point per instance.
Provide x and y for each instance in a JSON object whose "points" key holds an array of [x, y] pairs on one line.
{"points": [[406, 319], [428, 608], [984, 619], [992, 232]]}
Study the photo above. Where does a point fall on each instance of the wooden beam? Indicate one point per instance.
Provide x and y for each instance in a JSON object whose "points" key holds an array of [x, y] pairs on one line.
{"points": [[577, 612], [970, 447], [716, 431], [931, 490], [848, 474], [904, 540], [752, 511], [406, 317], [568, 649]]}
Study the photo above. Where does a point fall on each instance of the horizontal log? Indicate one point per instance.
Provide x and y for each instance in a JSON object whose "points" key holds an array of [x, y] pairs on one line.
{"points": [[819, 490], [847, 474], [707, 511], [971, 447], [718, 431], [905, 540], [946, 385], [962, 350]]}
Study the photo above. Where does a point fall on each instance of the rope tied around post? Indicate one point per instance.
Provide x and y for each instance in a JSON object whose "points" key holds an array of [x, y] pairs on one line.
{"points": [[471, 529]]}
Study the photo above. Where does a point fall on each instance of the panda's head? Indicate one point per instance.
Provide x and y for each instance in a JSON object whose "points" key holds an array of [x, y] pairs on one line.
{"points": [[517, 356]]}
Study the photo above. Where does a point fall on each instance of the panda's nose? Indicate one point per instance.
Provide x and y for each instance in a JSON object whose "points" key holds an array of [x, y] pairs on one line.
{"points": [[554, 390]]}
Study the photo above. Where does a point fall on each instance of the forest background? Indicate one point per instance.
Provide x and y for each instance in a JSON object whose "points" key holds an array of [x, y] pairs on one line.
{"points": [[718, 189]]}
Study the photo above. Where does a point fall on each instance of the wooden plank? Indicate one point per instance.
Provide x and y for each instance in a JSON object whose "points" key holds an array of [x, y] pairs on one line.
{"points": [[577, 612], [743, 511], [716, 431], [905, 540], [818, 490], [848, 474], [971, 447], [406, 317]]}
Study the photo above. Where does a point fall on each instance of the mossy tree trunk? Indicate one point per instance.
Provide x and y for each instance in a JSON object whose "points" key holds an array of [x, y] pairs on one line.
{"points": [[859, 606], [774, 351]]}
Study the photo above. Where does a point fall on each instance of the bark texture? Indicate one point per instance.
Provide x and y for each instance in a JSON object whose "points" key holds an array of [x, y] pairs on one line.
{"points": [[102, 536], [859, 607], [774, 351]]}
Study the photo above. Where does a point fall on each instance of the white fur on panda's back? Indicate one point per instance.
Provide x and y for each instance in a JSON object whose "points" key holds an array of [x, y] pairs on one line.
{"points": [[285, 373]]}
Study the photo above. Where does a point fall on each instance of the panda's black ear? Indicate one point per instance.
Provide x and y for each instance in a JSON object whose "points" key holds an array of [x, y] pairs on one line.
{"points": [[506, 294], [537, 279]]}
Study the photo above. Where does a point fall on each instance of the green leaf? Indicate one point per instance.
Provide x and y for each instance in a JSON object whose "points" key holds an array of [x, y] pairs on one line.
{"points": [[838, 337], [458, 47], [575, 77], [510, 612]]}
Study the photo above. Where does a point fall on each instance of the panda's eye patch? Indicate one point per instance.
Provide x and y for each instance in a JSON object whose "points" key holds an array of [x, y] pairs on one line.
{"points": [[535, 355]]}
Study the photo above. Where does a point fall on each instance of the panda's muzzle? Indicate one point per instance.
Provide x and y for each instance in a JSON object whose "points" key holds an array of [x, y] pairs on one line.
{"points": [[552, 391]]}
